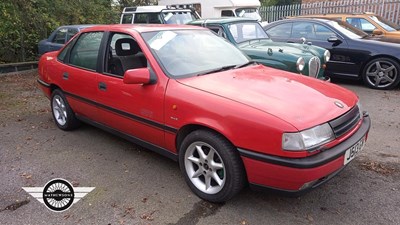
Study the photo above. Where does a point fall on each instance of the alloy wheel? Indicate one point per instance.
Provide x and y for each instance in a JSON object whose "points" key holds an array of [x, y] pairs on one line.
{"points": [[205, 168], [381, 74], [59, 110]]}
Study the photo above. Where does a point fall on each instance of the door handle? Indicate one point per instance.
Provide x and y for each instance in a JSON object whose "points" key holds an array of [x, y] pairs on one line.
{"points": [[65, 76], [102, 86]]}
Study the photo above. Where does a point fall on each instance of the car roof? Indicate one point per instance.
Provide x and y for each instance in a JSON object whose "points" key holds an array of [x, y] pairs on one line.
{"points": [[78, 26], [142, 28], [223, 20], [325, 20], [340, 14], [152, 8]]}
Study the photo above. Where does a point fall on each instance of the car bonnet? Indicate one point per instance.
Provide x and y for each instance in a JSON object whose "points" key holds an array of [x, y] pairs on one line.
{"points": [[301, 101], [294, 49]]}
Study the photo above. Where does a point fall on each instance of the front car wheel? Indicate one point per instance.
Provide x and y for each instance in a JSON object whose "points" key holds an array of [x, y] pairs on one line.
{"points": [[211, 166]]}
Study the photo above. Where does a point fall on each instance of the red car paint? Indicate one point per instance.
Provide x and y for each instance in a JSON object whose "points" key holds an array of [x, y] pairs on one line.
{"points": [[252, 107]]}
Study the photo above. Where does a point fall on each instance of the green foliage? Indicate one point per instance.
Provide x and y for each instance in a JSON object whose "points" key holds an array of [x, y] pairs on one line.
{"points": [[269, 2], [279, 2], [26, 22]]}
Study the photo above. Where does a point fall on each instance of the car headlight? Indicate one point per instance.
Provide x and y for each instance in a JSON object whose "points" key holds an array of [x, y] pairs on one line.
{"points": [[307, 139], [300, 64], [327, 55]]}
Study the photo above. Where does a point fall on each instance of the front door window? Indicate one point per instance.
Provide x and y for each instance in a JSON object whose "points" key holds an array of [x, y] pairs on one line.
{"points": [[86, 50]]}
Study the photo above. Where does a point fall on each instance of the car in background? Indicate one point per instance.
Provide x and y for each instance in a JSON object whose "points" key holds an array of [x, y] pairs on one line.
{"points": [[248, 35], [59, 37], [368, 22], [157, 15], [354, 53], [190, 95]]}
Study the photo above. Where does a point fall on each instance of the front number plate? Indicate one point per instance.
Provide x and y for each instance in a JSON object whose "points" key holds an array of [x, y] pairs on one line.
{"points": [[353, 151]]}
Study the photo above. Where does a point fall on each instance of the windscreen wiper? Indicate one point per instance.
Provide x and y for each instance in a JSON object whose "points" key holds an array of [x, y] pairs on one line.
{"points": [[218, 70], [246, 64]]}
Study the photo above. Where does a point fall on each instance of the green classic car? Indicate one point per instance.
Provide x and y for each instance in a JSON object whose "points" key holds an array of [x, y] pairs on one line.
{"points": [[248, 35]]}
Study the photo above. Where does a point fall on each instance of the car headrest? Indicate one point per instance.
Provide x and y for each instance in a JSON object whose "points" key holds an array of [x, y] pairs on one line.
{"points": [[126, 46]]}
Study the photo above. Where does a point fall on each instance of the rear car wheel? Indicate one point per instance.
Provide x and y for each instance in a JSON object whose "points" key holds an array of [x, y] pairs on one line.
{"points": [[382, 73], [211, 166], [63, 115]]}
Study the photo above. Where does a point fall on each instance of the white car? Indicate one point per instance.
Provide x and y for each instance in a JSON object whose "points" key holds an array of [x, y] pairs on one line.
{"points": [[157, 15]]}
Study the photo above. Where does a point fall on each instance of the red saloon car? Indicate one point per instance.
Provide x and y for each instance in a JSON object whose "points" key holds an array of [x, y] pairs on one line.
{"points": [[193, 97]]}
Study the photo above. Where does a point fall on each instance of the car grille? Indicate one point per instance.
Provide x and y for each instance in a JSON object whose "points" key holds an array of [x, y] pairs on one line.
{"points": [[313, 66], [346, 122]]}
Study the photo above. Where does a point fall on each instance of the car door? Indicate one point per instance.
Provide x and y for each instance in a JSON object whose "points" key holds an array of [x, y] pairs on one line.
{"points": [[346, 59], [342, 62], [78, 74], [133, 109]]}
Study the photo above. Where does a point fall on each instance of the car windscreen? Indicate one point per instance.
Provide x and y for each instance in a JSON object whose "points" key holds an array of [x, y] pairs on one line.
{"points": [[178, 17], [247, 31], [248, 13], [348, 30], [385, 24], [185, 53]]}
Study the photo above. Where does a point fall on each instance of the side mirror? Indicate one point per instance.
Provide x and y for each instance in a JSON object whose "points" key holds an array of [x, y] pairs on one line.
{"points": [[334, 39], [377, 32], [137, 76]]}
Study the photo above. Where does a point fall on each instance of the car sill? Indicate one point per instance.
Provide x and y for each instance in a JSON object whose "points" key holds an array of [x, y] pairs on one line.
{"points": [[154, 148]]}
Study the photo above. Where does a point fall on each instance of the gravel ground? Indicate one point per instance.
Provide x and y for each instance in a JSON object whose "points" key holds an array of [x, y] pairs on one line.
{"points": [[137, 186]]}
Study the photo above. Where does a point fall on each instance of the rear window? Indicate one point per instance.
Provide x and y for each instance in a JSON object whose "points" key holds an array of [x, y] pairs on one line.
{"points": [[153, 18], [178, 17], [127, 18]]}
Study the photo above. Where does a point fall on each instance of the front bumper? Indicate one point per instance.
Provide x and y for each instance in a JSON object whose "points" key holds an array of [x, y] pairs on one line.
{"points": [[299, 175]]}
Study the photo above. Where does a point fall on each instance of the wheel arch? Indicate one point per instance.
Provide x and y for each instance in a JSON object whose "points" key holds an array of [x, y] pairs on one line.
{"points": [[54, 87], [189, 128], [376, 57]]}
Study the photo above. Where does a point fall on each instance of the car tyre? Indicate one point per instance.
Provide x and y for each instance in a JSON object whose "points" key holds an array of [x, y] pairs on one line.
{"points": [[62, 113], [211, 166], [381, 73]]}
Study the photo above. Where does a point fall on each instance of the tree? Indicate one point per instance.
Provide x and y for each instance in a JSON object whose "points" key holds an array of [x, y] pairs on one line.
{"points": [[26, 22], [279, 2]]}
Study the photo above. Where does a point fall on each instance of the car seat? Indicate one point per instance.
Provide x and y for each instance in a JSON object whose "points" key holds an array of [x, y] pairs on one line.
{"points": [[129, 56]]}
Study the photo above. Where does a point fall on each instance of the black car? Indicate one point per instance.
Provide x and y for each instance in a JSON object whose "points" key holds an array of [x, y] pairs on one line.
{"points": [[354, 54]]}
